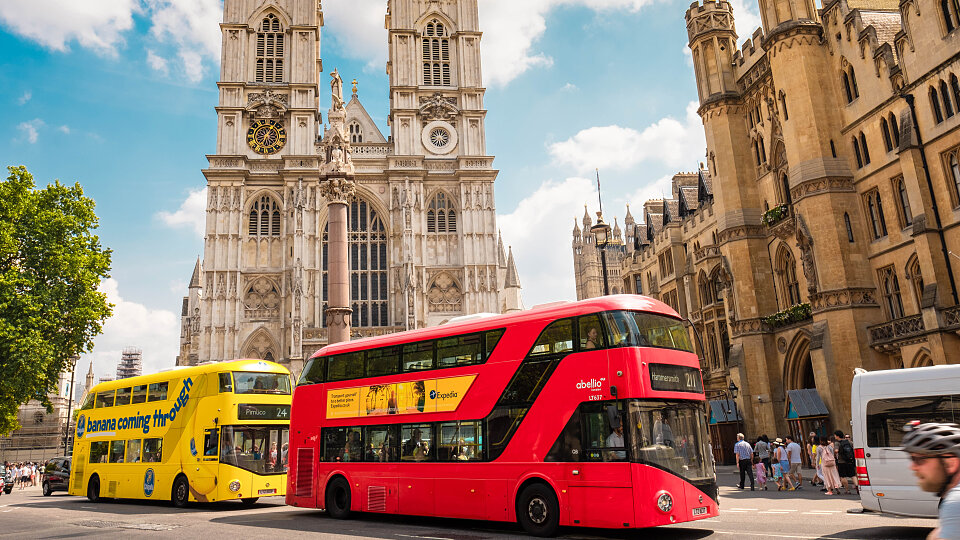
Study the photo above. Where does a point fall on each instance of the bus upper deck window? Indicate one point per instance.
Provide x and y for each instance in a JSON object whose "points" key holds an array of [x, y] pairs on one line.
{"points": [[105, 399], [226, 382], [90, 401], [313, 372], [158, 391], [123, 396], [139, 394], [591, 333]]}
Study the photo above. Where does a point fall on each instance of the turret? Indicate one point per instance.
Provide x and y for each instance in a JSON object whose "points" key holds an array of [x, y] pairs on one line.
{"points": [[587, 222], [784, 14], [88, 384], [712, 40]]}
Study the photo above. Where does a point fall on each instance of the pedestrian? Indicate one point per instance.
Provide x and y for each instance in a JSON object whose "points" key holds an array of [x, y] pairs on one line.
{"points": [[761, 472], [935, 460], [818, 457], [744, 456], [813, 441], [782, 458], [846, 461], [793, 454], [831, 477], [762, 449]]}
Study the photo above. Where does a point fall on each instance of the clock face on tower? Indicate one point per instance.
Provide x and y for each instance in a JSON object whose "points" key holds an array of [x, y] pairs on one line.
{"points": [[266, 136]]}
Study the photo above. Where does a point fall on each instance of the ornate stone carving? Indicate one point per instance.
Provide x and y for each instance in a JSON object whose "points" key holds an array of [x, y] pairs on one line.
{"points": [[438, 107], [336, 92], [741, 232], [262, 299], [195, 320], [268, 104], [843, 298], [337, 190], [805, 243], [444, 294], [821, 185]]}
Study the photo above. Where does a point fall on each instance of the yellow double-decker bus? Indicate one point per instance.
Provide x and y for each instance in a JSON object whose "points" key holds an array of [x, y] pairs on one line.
{"points": [[208, 433]]}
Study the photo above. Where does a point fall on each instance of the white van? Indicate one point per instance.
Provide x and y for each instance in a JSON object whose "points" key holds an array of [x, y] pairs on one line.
{"points": [[882, 403]]}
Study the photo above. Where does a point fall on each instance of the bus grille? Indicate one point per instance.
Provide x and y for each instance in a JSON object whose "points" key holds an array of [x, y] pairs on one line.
{"points": [[304, 472], [376, 499]]}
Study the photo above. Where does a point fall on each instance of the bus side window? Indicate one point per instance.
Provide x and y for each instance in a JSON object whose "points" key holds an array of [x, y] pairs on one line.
{"points": [[99, 451], [226, 382], [567, 447], [591, 333], [334, 442], [133, 451], [383, 361], [116, 451], [343, 367], [123, 396], [105, 399], [152, 450], [555, 339], [492, 338], [418, 356], [139, 394], [158, 391], [601, 441], [210, 440], [459, 351], [417, 442], [90, 401]]}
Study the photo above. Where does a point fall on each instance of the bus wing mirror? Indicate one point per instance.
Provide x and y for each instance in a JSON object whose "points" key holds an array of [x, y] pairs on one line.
{"points": [[613, 416]]}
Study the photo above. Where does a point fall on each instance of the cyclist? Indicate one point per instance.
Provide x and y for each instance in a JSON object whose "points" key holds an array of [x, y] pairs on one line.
{"points": [[935, 460]]}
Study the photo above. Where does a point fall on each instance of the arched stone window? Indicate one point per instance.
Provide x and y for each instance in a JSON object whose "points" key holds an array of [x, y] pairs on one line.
{"points": [[915, 276], [441, 215], [955, 87], [849, 80], [262, 300], [356, 133], [436, 54], [783, 105], [264, 217], [269, 50], [786, 268], [864, 150], [906, 214], [367, 253], [260, 345], [895, 130], [706, 290], [935, 105], [954, 166], [846, 222], [951, 14], [878, 222], [945, 96], [890, 285], [444, 294], [856, 153], [887, 139]]}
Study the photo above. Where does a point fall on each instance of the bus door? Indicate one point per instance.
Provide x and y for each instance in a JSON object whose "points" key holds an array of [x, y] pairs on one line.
{"points": [[599, 482]]}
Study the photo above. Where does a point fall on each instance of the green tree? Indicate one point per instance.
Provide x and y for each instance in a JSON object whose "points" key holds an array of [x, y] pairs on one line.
{"points": [[51, 265]]}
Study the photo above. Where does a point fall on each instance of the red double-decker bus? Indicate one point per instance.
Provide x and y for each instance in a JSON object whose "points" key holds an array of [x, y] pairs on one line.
{"points": [[583, 413]]}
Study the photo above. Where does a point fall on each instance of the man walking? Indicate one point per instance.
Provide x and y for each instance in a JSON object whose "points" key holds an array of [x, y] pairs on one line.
{"points": [[935, 460], [744, 453], [793, 455], [846, 461]]}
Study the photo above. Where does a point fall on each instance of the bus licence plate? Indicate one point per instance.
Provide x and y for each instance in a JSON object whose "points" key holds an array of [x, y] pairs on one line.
{"points": [[700, 511], [272, 491]]}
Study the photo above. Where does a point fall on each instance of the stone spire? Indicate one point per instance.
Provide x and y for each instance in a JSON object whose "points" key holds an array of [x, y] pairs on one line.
{"points": [[617, 234], [501, 254], [576, 228], [89, 382], [513, 277], [195, 279], [587, 222], [628, 220]]}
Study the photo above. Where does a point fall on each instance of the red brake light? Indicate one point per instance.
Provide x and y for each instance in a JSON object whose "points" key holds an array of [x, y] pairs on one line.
{"points": [[863, 477]]}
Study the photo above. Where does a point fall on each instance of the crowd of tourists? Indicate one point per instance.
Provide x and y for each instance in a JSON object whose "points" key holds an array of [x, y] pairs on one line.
{"points": [[25, 474], [780, 462]]}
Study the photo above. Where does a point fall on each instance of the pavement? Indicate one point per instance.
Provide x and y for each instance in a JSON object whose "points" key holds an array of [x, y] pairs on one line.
{"points": [[744, 514]]}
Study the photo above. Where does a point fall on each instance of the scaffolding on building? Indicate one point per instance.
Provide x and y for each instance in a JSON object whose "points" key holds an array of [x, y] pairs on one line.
{"points": [[131, 363]]}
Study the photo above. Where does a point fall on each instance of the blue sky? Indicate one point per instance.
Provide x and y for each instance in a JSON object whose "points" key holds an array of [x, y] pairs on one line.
{"points": [[109, 93]]}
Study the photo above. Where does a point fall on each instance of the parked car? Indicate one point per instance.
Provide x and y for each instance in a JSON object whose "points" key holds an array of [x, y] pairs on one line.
{"points": [[56, 476]]}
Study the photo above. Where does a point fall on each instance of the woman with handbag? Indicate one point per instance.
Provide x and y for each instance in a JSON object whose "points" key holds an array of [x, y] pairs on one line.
{"points": [[831, 476]]}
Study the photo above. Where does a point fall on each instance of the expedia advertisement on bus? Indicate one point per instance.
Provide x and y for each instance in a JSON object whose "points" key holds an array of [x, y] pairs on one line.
{"points": [[411, 397]]}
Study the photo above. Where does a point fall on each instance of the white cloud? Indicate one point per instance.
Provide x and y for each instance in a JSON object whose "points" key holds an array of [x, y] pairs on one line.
{"points": [[668, 141], [193, 26], [192, 212], [22, 100], [747, 18], [357, 29], [192, 65], [156, 331], [157, 62], [95, 24], [30, 130], [65, 129], [661, 188], [569, 87], [540, 229]]}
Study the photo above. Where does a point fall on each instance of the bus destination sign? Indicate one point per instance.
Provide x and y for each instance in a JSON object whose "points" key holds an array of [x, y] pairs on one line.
{"points": [[671, 378], [251, 411]]}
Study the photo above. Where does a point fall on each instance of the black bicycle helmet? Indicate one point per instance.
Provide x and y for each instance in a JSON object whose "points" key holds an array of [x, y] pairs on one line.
{"points": [[931, 438]]}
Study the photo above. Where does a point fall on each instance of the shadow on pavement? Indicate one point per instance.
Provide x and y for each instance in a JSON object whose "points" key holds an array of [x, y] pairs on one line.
{"points": [[898, 533], [136, 506], [379, 525]]}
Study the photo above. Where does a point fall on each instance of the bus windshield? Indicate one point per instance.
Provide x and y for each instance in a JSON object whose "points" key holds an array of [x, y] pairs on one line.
{"points": [[671, 435], [247, 382], [638, 329], [258, 449]]}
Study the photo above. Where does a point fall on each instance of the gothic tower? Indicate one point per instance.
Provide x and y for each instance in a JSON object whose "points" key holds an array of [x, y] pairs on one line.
{"points": [[421, 223]]}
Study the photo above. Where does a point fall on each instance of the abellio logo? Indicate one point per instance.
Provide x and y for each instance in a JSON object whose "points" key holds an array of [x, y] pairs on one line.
{"points": [[149, 479], [592, 384], [81, 425], [446, 395]]}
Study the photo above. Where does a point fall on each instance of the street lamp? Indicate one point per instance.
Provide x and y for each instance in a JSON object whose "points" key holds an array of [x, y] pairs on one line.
{"points": [[601, 231], [732, 388], [73, 370]]}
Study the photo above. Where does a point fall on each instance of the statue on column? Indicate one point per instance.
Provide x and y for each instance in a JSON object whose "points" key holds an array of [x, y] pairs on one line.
{"points": [[336, 91]]}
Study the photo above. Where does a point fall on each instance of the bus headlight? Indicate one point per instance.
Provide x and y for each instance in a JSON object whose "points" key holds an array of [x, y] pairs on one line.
{"points": [[234, 486], [664, 502]]}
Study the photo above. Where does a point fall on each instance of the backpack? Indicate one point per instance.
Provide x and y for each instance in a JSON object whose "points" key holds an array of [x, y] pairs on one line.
{"points": [[845, 455]]}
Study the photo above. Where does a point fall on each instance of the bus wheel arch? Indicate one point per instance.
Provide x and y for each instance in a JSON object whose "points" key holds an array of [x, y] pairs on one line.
{"points": [[180, 492], [93, 488], [338, 497], [537, 507]]}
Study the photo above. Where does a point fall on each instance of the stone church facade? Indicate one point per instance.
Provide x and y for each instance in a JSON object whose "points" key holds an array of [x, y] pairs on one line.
{"points": [[822, 234], [423, 240]]}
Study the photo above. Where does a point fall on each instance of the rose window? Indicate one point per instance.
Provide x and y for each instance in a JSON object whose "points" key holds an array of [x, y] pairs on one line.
{"points": [[439, 137]]}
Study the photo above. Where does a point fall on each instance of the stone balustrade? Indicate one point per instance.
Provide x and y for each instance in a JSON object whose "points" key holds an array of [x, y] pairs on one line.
{"points": [[896, 330]]}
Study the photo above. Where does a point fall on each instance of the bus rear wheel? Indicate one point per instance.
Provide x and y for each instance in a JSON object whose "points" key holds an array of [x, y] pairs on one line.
{"points": [[249, 501], [538, 510], [93, 489], [338, 498], [180, 495]]}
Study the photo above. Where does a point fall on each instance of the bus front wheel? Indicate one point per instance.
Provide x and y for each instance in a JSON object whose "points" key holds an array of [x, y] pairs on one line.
{"points": [[338, 498], [538, 510], [93, 489], [180, 496]]}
